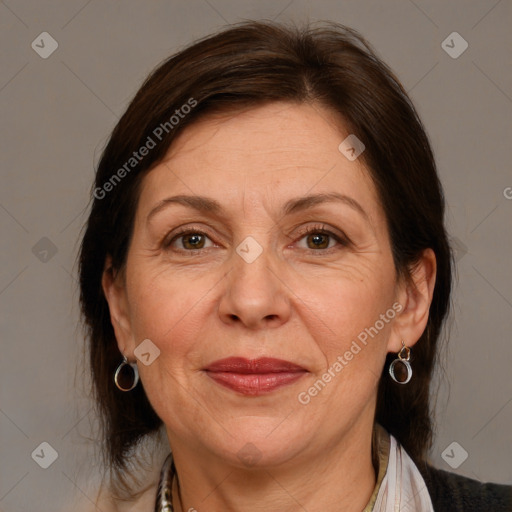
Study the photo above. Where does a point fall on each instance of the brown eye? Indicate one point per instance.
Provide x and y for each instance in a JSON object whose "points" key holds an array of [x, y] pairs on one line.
{"points": [[193, 241], [189, 240], [318, 241]]}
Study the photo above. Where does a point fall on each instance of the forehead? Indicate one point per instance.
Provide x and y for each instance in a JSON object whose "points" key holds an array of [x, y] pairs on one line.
{"points": [[267, 154]]}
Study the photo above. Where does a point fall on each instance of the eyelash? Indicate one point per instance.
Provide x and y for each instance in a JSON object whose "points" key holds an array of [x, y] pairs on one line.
{"points": [[342, 240]]}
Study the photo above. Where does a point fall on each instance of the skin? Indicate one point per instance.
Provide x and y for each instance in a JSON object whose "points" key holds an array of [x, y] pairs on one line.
{"points": [[295, 302]]}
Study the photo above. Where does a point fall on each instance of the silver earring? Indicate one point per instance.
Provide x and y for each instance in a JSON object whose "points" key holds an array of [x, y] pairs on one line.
{"points": [[400, 369], [127, 375]]}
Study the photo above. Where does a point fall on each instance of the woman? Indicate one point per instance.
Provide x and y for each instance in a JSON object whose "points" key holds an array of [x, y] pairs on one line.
{"points": [[266, 249]]}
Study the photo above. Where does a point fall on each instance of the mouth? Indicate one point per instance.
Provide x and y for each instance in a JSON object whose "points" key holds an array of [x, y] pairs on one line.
{"points": [[254, 376]]}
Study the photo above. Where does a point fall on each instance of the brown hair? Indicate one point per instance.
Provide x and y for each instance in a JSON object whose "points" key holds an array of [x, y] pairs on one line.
{"points": [[251, 64]]}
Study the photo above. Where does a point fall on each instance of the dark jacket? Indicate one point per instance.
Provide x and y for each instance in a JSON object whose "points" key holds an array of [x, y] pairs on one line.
{"points": [[450, 492]]}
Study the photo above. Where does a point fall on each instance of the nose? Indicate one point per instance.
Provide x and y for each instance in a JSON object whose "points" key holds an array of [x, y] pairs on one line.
{"points": [[256, 295]]}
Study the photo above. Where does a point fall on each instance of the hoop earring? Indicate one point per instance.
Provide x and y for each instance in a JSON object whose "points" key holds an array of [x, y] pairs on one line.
{"points": [[403, 364], [124, 378]]}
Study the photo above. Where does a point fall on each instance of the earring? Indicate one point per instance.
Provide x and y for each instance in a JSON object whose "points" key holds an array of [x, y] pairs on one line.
{"points": [[126, 376], [401, 366]]}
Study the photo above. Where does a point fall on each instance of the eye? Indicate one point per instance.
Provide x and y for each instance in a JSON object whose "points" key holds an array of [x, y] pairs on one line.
{"points": [[318, 238], [188, 240]]}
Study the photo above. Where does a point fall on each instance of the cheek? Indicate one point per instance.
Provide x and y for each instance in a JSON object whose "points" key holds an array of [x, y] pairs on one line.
{"points": [[346, 302], [167, 308], [350, 320], [170, 311], [352, 352]]}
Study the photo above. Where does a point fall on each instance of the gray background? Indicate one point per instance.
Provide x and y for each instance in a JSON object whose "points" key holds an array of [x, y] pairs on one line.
{"points": [[57, 114]]}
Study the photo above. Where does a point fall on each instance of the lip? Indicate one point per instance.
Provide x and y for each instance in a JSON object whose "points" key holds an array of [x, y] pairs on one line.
{"points": [[254, 376]]}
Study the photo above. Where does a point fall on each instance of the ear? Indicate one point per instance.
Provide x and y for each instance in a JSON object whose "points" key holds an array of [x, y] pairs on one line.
{"points": [[113, 284], [415, 296]]}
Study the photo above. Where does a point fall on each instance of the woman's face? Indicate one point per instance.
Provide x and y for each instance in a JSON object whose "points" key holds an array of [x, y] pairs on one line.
{"points": [[287, 256]]}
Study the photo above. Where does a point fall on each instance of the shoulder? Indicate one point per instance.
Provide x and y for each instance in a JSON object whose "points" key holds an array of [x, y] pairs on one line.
{"points": [[452, 493]]}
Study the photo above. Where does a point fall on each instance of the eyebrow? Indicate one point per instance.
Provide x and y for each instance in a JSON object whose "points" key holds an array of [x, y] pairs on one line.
{"points": [[303, 203], [294, 205], [199, 203]]}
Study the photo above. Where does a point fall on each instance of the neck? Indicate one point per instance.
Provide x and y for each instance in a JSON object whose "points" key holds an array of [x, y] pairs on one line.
{"points": [[340, 477]]}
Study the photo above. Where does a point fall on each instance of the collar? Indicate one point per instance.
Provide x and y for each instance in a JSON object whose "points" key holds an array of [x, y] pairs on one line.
{"points": [[380, 455]]}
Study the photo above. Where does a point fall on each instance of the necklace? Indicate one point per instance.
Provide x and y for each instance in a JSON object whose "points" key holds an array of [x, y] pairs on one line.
{"points": [[164, 495]]}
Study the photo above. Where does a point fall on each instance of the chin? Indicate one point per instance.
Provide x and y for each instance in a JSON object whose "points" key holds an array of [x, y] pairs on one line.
{"points": [[264, 443]]}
